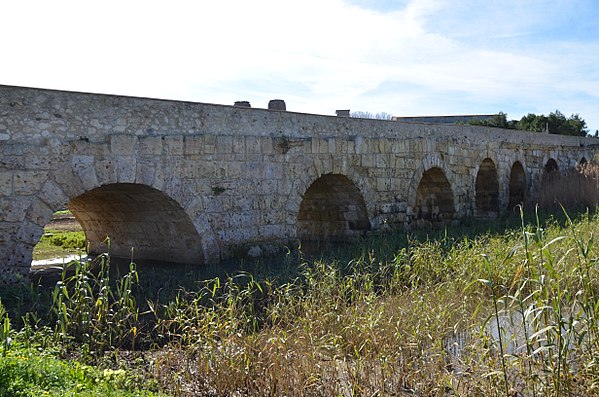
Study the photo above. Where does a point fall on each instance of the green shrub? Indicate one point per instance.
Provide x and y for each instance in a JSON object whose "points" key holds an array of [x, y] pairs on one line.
{"points": [[68, 239]]}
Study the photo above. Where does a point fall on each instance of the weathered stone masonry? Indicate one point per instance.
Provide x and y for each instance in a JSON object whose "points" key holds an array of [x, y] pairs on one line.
{"points": [[192, 182]]}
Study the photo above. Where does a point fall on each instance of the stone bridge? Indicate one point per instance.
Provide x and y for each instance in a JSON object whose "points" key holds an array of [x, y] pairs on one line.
{"points": [[196, 183]]}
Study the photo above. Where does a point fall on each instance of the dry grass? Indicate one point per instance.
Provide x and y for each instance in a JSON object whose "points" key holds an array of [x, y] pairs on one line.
{"points": [[420, 324], [577, 189], [432, 317]]}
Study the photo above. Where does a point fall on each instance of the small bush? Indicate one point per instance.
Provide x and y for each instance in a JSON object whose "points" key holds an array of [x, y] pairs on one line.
{"points": [[68, 240]]}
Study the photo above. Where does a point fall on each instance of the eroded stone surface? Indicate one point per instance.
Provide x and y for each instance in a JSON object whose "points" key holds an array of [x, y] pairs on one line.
{"points": [[194, 182]]}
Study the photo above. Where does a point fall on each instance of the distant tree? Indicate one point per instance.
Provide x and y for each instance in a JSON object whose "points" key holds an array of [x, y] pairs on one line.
{"points": [[499, 121], [556, 123], [369, 115], [532, 122]]}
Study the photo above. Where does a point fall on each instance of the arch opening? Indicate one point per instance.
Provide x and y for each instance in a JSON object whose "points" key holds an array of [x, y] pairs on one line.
{"points": [[332, 209], [551, 166], [486, 201], [517, 188], [139, 218], [550, 172], [434, 197], [63, 239]]}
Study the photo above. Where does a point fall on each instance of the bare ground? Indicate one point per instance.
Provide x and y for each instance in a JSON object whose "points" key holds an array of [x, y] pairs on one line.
{"points": [[66, 222]]}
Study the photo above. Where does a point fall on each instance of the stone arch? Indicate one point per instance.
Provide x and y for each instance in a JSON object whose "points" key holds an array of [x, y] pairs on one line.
{"points": [[551, 166], [429, 162], [332, 209], [434, 199], [137, 217], [139, 198], [486, 198], [517, 185], [550, 172], [304, 179]]}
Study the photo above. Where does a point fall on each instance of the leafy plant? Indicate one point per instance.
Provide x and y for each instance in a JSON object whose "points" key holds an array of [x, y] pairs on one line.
{"points": [[93, 311], [5, 329]]}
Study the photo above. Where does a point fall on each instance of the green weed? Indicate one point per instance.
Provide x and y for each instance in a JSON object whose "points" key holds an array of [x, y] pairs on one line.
{"points": [[470, 311], [57, 243], [28, 372]]}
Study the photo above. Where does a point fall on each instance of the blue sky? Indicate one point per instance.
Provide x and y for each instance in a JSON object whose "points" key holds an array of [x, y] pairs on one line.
{"points": [[404, 57]]}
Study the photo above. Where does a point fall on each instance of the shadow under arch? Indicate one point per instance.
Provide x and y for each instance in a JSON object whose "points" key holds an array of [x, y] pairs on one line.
{"points": [[434, 197], [517, 186], [486, 198], [332, 209], [550, 172], [137, 217]]}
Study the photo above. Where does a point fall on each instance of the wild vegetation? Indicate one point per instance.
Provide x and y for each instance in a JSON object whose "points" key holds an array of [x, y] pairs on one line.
{"points": [[63, 236], [56, 243], [506, 308], [578, 188], [555, 123]]}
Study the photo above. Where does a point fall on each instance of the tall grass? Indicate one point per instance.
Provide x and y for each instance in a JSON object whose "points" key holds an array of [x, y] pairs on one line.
{"points": [[94, 314], [577, 189], [512, 314], [417, 324]]}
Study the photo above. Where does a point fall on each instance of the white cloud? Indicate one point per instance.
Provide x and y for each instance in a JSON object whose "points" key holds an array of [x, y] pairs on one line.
{"points": [[408, 57]]}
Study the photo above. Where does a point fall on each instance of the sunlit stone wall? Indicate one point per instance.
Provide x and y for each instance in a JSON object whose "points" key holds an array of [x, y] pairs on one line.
{"points": [[196, 183]]}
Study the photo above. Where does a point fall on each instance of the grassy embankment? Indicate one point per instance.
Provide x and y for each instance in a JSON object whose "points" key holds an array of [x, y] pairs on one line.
{"points": [[509, 309], [62, 237]]}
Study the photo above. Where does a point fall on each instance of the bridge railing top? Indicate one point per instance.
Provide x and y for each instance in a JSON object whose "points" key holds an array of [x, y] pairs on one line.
{"points": [[30, 113]]}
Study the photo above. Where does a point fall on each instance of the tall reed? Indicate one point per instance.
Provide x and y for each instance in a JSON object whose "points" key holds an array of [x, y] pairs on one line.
{"points": [[407, 315], [92, 311]]}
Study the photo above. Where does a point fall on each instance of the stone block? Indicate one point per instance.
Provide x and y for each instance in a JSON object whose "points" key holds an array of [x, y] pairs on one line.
{"points": [[273, 170], [174, 145], [126, 167], [53, 195], [28, 182], [238, 145], [13, 209], [314, 146], [209, 144], [252, 145], [331, 146], [106, 171], [384, 145], [83, 167], [150, 145], [367, 160], [271, 231], [39, 212], [13, 162], [6, 182], [387, 208], [235, 169], [224, 144], [144, 173], [69, 182], [123, 145], [194, 144], [267, 145], [381, 160], [382, 184], [17, 149]]}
